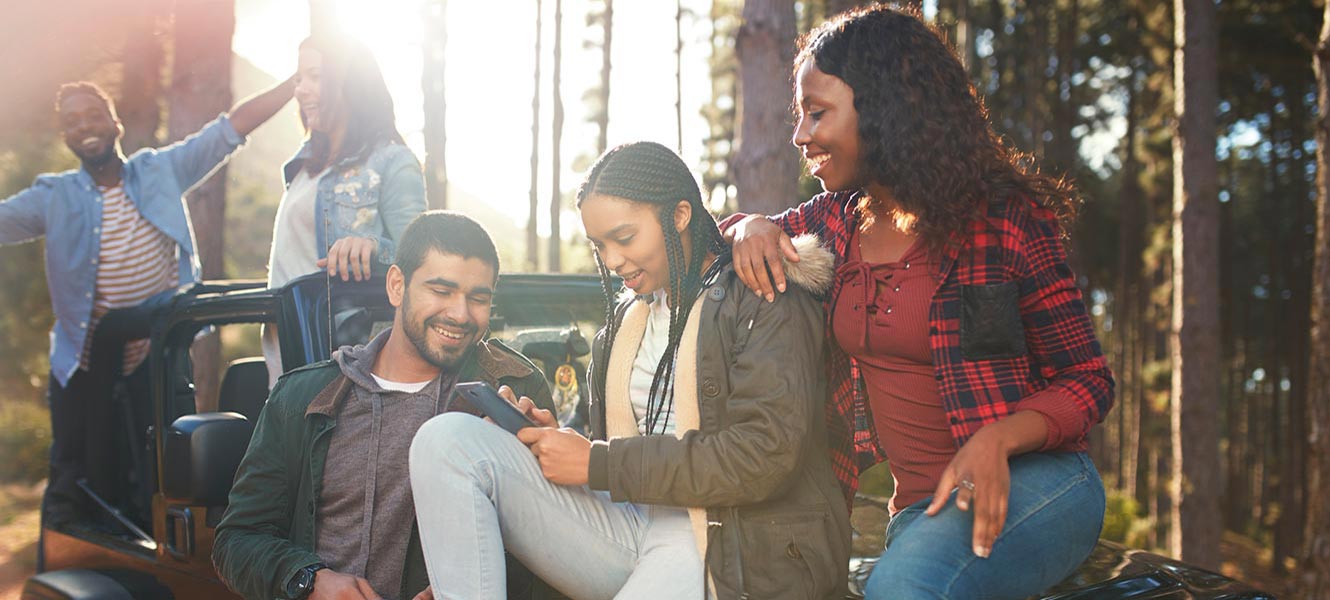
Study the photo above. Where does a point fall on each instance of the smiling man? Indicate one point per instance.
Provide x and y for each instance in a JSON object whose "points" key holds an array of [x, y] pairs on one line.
{"points": [[117, 234], [322, 504]]}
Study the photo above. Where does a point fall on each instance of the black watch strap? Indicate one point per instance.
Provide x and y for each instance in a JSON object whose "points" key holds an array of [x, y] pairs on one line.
{"points": [[301, 584]]}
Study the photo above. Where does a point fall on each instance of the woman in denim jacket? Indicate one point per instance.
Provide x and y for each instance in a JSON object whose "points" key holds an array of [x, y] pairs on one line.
{"points": [[353, 186]]}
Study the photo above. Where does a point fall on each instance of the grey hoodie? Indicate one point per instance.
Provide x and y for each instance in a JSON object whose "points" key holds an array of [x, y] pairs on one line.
{"points": [[366, 512]]}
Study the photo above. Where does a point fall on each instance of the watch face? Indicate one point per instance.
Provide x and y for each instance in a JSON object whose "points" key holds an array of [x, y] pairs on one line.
{"points": [[301, 584]]}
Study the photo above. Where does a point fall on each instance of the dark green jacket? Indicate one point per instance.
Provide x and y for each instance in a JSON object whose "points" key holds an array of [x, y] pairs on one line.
{"points": [[267, 534], [779, 524]]}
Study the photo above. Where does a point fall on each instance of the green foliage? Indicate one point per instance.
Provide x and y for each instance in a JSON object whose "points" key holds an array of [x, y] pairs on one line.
{"points": [[25, 441], [1123, 522], [877, 481]]}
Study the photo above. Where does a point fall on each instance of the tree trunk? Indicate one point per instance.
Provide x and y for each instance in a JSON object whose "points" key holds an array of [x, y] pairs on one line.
{"points": [[1315, 567], [1195, 531], [200, 89], [603, 118], [556, 135], [140, 102], [532, 234], [678, 75], [322, 17], [766, 167], [436, 103]]}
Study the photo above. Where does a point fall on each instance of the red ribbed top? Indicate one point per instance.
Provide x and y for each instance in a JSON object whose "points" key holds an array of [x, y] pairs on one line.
{"points": [[881, 319]]}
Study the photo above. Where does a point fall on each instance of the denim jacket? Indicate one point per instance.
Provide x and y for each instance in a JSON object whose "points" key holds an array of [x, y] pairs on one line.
{"points": [[375, 197], [67, 209]]}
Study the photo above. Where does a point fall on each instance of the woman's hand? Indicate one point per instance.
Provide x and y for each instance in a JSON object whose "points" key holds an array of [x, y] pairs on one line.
{"points": [[981, 475], [539, 416], [349, 256], [564, 455], [758, 246]]}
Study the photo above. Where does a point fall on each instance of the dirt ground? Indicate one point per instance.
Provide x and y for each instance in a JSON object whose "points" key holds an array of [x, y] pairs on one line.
{"points": [[19, 506], [19, 526]]}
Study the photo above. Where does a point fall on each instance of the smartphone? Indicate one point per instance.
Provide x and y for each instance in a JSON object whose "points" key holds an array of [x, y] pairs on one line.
{"points": [[488, 401]]}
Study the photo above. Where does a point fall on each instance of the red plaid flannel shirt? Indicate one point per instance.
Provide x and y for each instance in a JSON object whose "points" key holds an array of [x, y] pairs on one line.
{"points": [[1063, 375]]}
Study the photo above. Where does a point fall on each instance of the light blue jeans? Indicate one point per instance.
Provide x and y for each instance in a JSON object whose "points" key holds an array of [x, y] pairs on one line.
{"points": [[1054, 514], [478, 490]]}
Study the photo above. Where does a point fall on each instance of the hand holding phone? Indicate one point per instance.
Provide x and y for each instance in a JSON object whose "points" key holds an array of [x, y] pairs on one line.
{"points": [[488, 401]]}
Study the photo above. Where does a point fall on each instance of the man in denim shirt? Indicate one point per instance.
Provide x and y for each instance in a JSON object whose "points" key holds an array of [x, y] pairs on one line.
{"points": [[117, 229]]}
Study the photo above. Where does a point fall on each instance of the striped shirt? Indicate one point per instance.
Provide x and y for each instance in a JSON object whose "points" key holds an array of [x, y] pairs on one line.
{"points": [[135, 261]]}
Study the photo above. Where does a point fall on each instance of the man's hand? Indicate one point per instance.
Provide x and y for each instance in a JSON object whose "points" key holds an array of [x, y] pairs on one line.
{"points": [[349, 256], [331, 585], [758, 246], [426, 594]]}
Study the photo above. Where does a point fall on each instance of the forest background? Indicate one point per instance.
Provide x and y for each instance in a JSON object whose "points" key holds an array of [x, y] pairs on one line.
{"points": [[1227, 473]]}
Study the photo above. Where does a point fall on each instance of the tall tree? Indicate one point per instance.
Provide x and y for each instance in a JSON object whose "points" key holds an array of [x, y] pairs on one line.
{"points": [[1315, 580], [436, 103], [556, 137], [1196, 489], [200, 89], [140, 101], [532, 234], [678, 75], [766, 167], [603, 117]]}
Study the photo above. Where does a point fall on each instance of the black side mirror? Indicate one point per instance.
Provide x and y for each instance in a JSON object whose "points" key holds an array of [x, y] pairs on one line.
{"points": [[200, 456]]}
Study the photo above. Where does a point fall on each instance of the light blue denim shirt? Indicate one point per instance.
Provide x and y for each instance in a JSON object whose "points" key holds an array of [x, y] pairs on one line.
{"points": [[67, 209], [375, 197]]}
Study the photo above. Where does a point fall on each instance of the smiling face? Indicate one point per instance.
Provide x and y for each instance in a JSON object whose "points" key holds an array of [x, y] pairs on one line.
{"points": [[827, 132], [628, 237], [309, 78], [89, 129], [444, 308]]}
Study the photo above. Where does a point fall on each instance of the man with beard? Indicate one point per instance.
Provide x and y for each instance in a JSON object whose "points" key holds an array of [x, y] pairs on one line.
{"points": [[117, 235], [322, 505]]}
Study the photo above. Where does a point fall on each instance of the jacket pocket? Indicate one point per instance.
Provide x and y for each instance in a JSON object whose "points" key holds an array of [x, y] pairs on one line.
{"points": [[356, 201], [991, 322], [788, 554]]}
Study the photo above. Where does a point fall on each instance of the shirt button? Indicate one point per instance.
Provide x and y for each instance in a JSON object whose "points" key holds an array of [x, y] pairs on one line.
{"points": [[96, 229], [897, 289], [710, 388], [87, 295], [888, 310], [907, 266], [83, 325]]}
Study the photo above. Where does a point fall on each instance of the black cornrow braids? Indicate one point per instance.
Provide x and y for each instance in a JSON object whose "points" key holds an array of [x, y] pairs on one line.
{"points": [[651, 173]]}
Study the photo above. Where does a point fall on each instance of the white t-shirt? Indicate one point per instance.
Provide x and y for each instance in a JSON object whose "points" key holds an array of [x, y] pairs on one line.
{"points": [[397, 386], [655, 339], [295, 252]]}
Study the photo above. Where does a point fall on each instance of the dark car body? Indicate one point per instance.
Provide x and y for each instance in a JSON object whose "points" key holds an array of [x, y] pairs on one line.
{"points": [[190, 458]]}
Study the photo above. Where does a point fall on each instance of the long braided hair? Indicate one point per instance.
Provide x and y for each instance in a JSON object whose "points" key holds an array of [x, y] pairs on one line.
{"points": [[650, 173]]}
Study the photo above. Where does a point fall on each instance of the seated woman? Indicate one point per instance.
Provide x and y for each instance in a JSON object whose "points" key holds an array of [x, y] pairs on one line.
{"points": [[959, 342], [353, 186], [710, 474]]}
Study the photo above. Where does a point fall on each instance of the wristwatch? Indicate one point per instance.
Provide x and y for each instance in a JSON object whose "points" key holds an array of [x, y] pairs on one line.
{"points": [[301, 584]]}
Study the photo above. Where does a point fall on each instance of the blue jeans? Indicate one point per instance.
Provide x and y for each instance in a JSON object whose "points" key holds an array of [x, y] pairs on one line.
{"points": [[1054, 514], [479, 491]]}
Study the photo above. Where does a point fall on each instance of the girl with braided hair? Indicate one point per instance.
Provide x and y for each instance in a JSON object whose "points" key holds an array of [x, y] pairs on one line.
{"points": [[709, 474], [960, 349]]}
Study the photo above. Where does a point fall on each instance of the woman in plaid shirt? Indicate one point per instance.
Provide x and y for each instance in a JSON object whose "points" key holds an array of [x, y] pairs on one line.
{"points": [[963, 354]]}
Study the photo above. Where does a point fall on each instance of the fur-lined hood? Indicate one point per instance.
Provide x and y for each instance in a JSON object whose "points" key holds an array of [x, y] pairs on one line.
{"points": [[816, 268]]}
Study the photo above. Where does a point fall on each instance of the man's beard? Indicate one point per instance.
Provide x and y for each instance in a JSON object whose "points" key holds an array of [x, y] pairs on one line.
{"points": [[418, 333]]}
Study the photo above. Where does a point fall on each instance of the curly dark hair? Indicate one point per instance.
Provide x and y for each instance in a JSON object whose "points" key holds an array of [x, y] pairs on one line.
{"points": [[923, 129], [650, 173]]}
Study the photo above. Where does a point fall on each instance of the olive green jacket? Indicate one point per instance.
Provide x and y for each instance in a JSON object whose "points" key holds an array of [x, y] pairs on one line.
{"points": [[267, 533], [778, 522]]}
